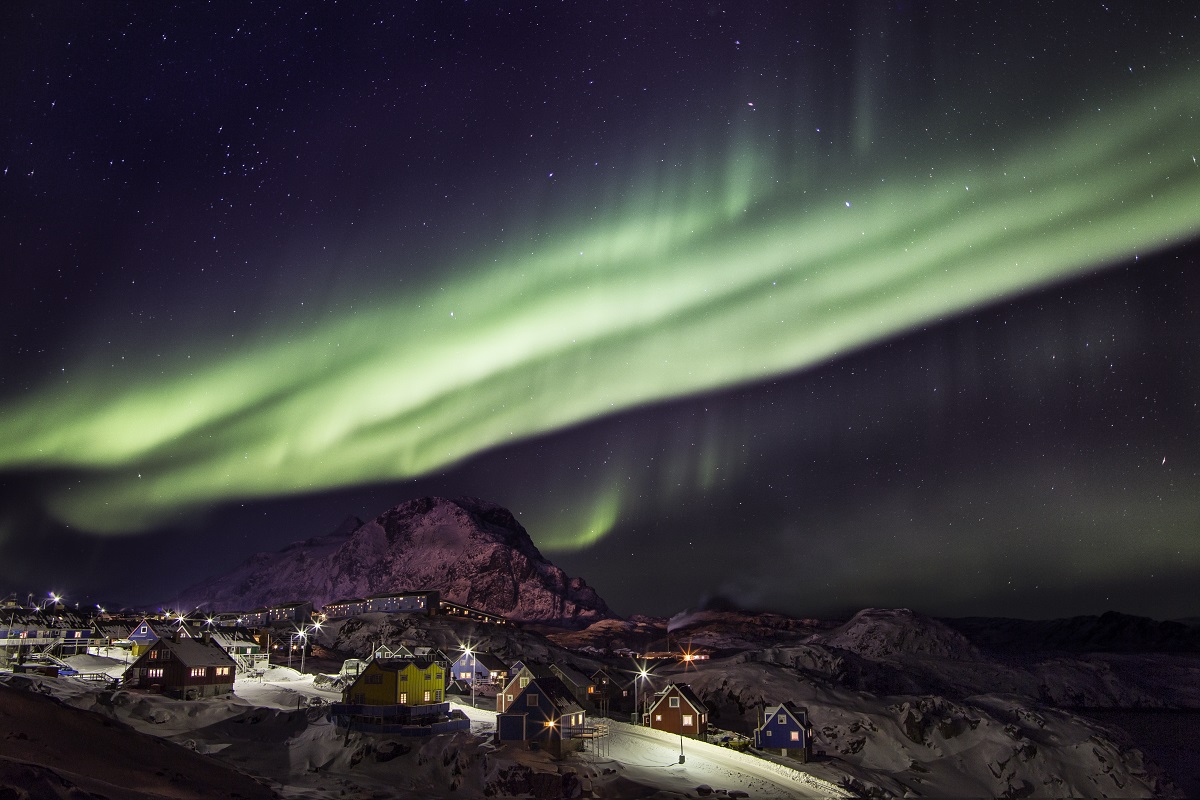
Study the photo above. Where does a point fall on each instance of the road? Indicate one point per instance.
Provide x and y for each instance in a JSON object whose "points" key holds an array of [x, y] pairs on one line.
{"points": [[650, 759]]}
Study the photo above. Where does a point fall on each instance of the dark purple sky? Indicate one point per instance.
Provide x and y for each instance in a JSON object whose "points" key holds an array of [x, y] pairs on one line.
{"points": [[857, 304]]}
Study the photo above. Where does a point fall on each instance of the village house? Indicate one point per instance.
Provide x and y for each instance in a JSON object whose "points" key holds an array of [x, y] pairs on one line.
{"points": [[183, 667], [398, 681], [479, 669], [611, 694], [25, 632], [580, 685], [516, 684], [677, 709], [399, 696], [544, 715], [785, 728]]}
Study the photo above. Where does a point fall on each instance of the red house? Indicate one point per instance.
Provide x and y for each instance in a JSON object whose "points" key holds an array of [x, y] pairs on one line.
{"points": [[677, 709], [183, 667]]}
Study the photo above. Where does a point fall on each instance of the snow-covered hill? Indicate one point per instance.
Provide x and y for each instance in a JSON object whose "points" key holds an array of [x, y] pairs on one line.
{"points": [[472, 551]]}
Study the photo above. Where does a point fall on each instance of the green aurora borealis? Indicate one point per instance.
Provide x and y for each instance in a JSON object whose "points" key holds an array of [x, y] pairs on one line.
{"points": [[747, 248]]}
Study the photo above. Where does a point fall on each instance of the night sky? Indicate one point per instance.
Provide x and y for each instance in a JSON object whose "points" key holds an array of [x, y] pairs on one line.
{"points": [[810, 306]]}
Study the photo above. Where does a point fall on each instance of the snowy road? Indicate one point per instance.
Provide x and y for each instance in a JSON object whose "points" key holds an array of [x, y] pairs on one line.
{"points": [[652, 758]]}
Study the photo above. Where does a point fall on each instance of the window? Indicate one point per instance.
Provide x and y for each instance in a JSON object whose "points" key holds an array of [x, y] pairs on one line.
{"points": [[404, 698], [510, 698], [673, 702], [376, 678], [523, 682], [154, 655], [532, 700], [687, 720], [782, 719], [198, 672], [464, 674], [795, 736], [426, 697], [768, 731], [404, 677], [222, 670], [658, 717], [154, 672], [437, 695]]}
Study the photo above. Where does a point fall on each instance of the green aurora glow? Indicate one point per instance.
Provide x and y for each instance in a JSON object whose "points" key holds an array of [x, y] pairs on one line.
{"points": [[702, 286]]}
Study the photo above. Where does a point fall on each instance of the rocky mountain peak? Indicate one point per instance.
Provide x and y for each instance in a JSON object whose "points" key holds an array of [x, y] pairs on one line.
{"points": [[472, 551], [886, 632]]}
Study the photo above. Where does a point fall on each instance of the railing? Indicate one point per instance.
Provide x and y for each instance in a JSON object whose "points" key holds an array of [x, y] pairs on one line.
{"points": [[596, 731]]}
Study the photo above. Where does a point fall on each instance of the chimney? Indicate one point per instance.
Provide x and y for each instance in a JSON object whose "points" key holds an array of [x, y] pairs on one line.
{"points": [[176, 636], [207, 637]]}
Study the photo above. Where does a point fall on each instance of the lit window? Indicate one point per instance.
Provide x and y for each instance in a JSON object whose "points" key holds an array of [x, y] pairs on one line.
{"points": [[673, 702], [427, 697], [658, 717], [795, 736], [155, 672], [687, 720], [197, 672], [404, 698]]}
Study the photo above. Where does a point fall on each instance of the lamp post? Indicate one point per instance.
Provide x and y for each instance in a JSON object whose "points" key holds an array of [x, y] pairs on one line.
{"points": [[471, 659], [637, 705]]}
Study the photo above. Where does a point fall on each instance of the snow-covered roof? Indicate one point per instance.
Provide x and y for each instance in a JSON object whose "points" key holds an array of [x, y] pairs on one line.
{"points": [[194, 652], [559, 695], [682, 690]]}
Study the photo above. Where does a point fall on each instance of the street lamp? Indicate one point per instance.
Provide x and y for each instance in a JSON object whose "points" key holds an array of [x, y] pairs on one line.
{"points": [[637, 706], [471, 658], [316, 627]]}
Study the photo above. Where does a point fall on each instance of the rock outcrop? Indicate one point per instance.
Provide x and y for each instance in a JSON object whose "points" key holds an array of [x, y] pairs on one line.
{"points": [[472, 551]]}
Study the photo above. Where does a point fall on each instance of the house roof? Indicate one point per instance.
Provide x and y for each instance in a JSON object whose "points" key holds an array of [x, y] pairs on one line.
{"points": [[489, 661], [560, 696], [399, 664], [194, 652], [798, 714], [571, 675], [684, 691]]}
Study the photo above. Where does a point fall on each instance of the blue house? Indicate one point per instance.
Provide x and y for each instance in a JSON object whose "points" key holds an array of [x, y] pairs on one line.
{"points": [[544, 715], [785, 728], [479, 669]]}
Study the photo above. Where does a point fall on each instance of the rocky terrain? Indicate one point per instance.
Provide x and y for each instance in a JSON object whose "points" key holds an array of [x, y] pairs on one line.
{"points": [[472, 551]]}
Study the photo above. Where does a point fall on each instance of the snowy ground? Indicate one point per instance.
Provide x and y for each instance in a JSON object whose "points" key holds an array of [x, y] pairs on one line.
{"points": [[278, 729]]}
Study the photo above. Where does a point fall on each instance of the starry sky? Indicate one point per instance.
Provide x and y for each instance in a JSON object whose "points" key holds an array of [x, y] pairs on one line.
{"points": [[812, 307]]}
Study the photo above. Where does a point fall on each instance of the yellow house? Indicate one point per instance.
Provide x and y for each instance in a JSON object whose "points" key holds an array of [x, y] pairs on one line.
{"points": [[398, 681]]}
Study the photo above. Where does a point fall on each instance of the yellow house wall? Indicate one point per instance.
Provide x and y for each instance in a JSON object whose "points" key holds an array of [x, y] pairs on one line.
{"points": [[393, 684]]}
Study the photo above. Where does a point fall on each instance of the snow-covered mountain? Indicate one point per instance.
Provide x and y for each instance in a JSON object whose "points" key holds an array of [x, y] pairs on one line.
{"points": [[881, 633], [472, 551]]}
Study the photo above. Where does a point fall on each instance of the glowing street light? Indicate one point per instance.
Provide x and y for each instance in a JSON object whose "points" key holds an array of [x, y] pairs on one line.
{"points": [[471, 657], [642, 673]]}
